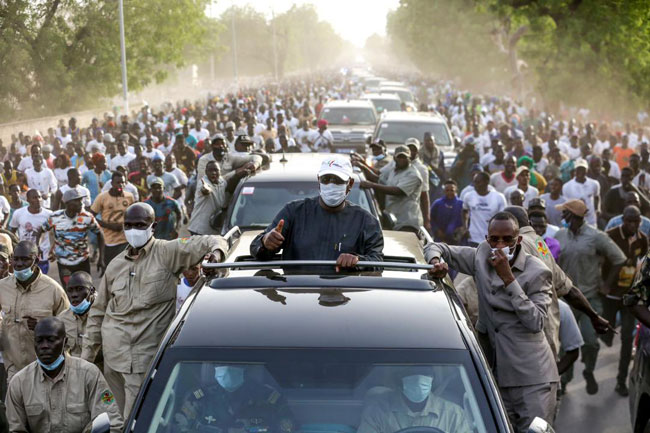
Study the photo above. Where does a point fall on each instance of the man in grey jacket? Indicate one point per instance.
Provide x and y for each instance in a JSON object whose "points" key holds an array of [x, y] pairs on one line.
{"points": [[514, 290]]}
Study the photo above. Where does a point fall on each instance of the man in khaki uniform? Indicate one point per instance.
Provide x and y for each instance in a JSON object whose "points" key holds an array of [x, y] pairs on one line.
{"points": [[136, 300], [57, 392], [26, 297], [111, 205], [81, 295]]}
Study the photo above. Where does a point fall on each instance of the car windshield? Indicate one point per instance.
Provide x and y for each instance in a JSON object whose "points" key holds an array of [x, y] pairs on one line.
{"points": [[257, 204], [404, 95], [386, 104], [349, 116], [324, 394], [399, 132]]}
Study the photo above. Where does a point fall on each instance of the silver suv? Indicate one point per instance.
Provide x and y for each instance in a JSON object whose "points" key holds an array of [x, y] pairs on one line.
{"points": [[351, 123]]}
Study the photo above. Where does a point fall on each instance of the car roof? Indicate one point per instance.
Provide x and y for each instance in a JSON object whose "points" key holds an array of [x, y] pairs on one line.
{"points": [[358, 103], [381, 96], [394, 89], [398, 246], [412, 116], [248, 312]]}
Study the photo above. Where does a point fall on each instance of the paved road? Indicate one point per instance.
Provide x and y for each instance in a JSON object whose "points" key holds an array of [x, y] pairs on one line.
{"points": [[605, 412]]}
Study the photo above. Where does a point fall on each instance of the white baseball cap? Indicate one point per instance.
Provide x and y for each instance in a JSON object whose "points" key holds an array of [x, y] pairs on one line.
{"points": [[337, 166]]}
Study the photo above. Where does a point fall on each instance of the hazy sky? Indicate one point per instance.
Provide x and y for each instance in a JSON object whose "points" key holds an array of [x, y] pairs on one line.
{"points": [[354, 20]]}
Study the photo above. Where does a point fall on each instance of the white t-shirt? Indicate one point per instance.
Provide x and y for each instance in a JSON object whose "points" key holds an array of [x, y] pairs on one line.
{"points": [[587, 192], [61, 175], [199, 135], [5, 208], [154, 154], [529, 194], [44, 181], [30, 226], [499, 183], [182, 291], [121, 160], [25, 164], [481, 208]]}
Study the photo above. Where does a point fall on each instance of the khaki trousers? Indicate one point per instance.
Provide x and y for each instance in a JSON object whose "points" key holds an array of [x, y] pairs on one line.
{"points": [[125, 387]]}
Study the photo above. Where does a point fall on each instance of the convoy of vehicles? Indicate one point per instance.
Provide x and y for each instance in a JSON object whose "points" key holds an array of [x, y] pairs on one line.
{"points": [[351, 123]]}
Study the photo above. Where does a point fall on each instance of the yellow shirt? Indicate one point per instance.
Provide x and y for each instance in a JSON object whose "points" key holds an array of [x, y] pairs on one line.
{"points": [[112, 210]]}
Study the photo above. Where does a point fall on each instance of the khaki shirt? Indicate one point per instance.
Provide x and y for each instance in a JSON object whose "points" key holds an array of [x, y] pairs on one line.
{"points": [[513, 316], [389, 414], [136, 301], [581, 256], [112, 210], [67, 404], [44, 297], [228, 164], [75, 328], [406, 208], [534, 245]]}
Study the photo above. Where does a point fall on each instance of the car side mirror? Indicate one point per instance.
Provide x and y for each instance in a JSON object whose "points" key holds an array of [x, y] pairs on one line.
{"points": [[539, 425], [101, 424], [388, 220]]}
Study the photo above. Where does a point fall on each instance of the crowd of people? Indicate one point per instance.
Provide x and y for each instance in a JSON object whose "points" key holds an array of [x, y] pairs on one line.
{"points": [[117, 193]]}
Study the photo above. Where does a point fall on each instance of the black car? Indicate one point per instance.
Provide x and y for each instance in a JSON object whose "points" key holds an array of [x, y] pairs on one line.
{"points": [[313, 353], [640, 383]]}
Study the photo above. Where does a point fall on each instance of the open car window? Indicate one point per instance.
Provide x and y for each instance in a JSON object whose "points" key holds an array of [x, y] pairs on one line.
{"points": [[349, 116], [257, 205], [326, 396]]}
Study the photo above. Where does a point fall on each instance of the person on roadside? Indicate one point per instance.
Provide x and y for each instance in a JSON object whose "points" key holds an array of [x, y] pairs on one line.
{"points": [[631, 199], [338, 230], [616, 198], [479, 206], [229, 164], [26, 297], [447, 223], [111, 205], [67, 390], [523, 184], [401, 184], [81, 295], [71, 228], [150, 267], [96, 178], [583, 248], [321, 140], [552, 199], [167, 211], [634, 244], [515, 292], [583, 188], [42, 179], [74, 182], [501, 180], [27, 223]]}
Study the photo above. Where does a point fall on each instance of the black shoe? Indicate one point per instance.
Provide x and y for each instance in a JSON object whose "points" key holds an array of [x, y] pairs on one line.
{"points": [[621, 389], [592, 385]]}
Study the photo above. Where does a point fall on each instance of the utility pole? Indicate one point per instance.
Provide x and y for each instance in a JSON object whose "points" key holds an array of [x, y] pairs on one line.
{"points": [[275, 48], [234, 49], [212, 55], [125, 86]]}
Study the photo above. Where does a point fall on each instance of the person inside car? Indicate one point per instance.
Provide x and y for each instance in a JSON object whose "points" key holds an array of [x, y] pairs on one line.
{"points": [[413, 404], [327, 227], [234, 402]]}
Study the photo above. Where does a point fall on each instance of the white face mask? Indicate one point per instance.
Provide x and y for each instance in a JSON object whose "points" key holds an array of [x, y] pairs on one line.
{"points": [[508, 251], [333, 194], [137, 238]]}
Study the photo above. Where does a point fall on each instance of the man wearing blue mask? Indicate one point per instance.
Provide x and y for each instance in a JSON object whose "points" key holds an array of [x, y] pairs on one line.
{"points": [[327, 227], [234, 401], [81, 294], [26, 297], [68, 392], [413, 404]]}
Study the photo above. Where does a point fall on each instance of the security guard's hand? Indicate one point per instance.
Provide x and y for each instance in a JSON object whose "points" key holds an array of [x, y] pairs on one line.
{"points": [[346, 260], [501, 264], [601, 325], [439, 269], [273, 240], [213, 257]]}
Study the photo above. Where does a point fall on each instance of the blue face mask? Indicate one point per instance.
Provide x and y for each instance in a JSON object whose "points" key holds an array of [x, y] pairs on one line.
{"points": [[565, 223], [379, 157], [230, 378], [23, 275], [417, 387], [81, 308], [52, 366]]}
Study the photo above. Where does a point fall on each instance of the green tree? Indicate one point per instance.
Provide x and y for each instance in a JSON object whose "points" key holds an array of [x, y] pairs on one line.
{"points": [[65, 54]]}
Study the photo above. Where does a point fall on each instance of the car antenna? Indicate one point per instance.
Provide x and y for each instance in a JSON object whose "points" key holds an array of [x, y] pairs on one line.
{"points": [[284, 158]]}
